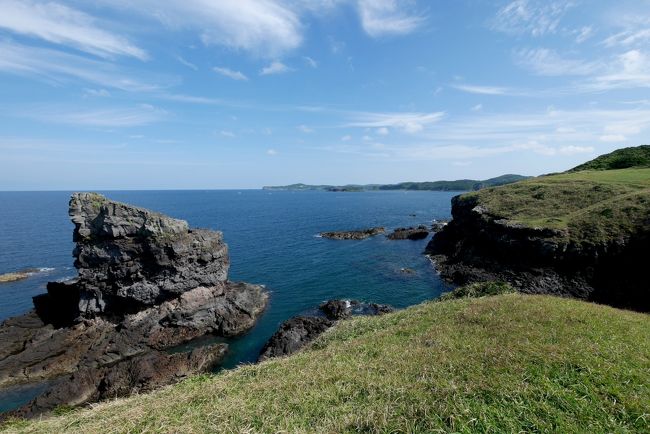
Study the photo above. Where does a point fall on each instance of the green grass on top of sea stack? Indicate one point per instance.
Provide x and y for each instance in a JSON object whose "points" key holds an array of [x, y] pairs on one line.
{"points": [[509, 363], [593, 206]]}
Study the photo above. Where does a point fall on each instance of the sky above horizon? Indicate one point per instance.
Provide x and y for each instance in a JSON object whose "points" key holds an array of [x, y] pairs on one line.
{"points": [[200, 94]]}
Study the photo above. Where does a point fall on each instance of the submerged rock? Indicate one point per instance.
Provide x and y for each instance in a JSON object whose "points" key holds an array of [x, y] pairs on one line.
{"points": [[413, 233], [146, 283], [353, 235]]}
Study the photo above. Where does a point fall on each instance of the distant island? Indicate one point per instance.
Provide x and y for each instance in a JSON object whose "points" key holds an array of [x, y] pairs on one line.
{"points": [[457, 185]]}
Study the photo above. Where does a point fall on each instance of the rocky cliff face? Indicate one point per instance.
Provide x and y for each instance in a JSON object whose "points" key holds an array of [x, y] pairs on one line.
{"points": [[475, 246], [146, 283]]}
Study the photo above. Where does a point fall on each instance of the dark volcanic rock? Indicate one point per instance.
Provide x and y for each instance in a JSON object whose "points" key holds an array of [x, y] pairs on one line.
{"points": [[476, 247], [299, 331], [353, 235], [337, 309], [293, 335], [130, 257], [146, 283], [342, 309], [138, 374], [418, 233], [438, 225]]}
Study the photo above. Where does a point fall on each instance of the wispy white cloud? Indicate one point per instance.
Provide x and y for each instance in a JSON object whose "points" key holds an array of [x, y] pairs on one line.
{"points": [[227, 72], [271, 152], [407, 122], [551, 133], [534, 17], [275, 67], [265, 28], [626, 71], [305, 129], [60, 24], [96, 93], [186, 63], [142, 114], [57, 66], [310, 62], [484, 90], [583, 34], [542, 61], [226, 133], [387, 17]]}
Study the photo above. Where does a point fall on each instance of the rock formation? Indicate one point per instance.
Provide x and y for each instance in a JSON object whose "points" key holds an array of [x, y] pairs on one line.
{"points": [[476, 247], [415, 233], [295, 333], [146, 283], [353, 235]]}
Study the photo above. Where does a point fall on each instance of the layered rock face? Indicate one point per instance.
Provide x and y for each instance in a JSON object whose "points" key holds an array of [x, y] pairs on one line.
{"points": [[476, 247], [146, 283]]}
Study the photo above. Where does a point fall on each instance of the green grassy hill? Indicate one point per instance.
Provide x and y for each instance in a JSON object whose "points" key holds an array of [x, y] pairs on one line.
{"points": [[638, 156], [506, 363], [591, 205]]}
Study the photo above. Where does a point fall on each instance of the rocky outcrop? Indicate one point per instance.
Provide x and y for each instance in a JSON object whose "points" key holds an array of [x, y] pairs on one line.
{"points": [[414, 233], [342, 309], [297, 332], [353, 235], [293, 335], [133, 375], [476, 246], [146, 283], [438, 225]]}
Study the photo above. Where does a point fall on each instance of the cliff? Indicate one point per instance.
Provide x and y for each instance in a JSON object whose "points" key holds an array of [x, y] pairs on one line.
{"points": [[584, 234], [146, 283]]}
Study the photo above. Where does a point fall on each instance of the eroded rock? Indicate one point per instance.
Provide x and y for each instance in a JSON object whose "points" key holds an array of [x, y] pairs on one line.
{"points": [[146, 283]]}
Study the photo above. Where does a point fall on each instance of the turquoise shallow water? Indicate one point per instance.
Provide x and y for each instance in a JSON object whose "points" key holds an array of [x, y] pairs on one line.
{"points": [[272, 240]]}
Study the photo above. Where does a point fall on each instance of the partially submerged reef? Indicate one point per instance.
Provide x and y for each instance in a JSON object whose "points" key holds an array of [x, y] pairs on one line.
{"points": [[146, 283], [353, 235]]}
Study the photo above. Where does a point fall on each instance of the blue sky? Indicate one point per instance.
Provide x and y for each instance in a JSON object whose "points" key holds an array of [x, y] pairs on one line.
{"points": [[146, 94]]}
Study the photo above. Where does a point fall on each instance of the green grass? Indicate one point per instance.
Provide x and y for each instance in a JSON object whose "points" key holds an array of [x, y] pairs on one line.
{"points": [[590, 205], [638, 156], [504, 364]]}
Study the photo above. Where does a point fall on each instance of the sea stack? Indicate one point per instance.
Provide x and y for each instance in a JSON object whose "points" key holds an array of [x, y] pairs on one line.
{"points": [[146, 282]]}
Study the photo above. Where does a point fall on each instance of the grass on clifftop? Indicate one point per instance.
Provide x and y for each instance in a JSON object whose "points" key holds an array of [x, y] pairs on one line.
{"points": [[593, 205], [501, 364], [638, 156]]}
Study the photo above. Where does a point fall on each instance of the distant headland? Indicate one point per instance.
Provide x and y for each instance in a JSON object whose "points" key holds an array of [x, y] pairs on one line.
{"points": [[457, 185]]}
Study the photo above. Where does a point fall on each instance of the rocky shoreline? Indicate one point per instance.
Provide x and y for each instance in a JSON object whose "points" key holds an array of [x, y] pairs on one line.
{"points": [[476, 247], [146, 284]]}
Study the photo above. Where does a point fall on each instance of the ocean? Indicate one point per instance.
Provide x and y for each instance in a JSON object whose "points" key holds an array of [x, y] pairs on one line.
{"points": [[272, 239]]}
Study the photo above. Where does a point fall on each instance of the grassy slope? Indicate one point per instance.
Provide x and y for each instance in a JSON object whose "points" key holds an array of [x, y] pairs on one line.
{"points": [[638, 156], [593, 205], [507, 363]]}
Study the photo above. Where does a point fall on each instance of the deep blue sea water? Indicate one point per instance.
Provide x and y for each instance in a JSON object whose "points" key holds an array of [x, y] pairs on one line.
{"points": [[272, 240]]}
